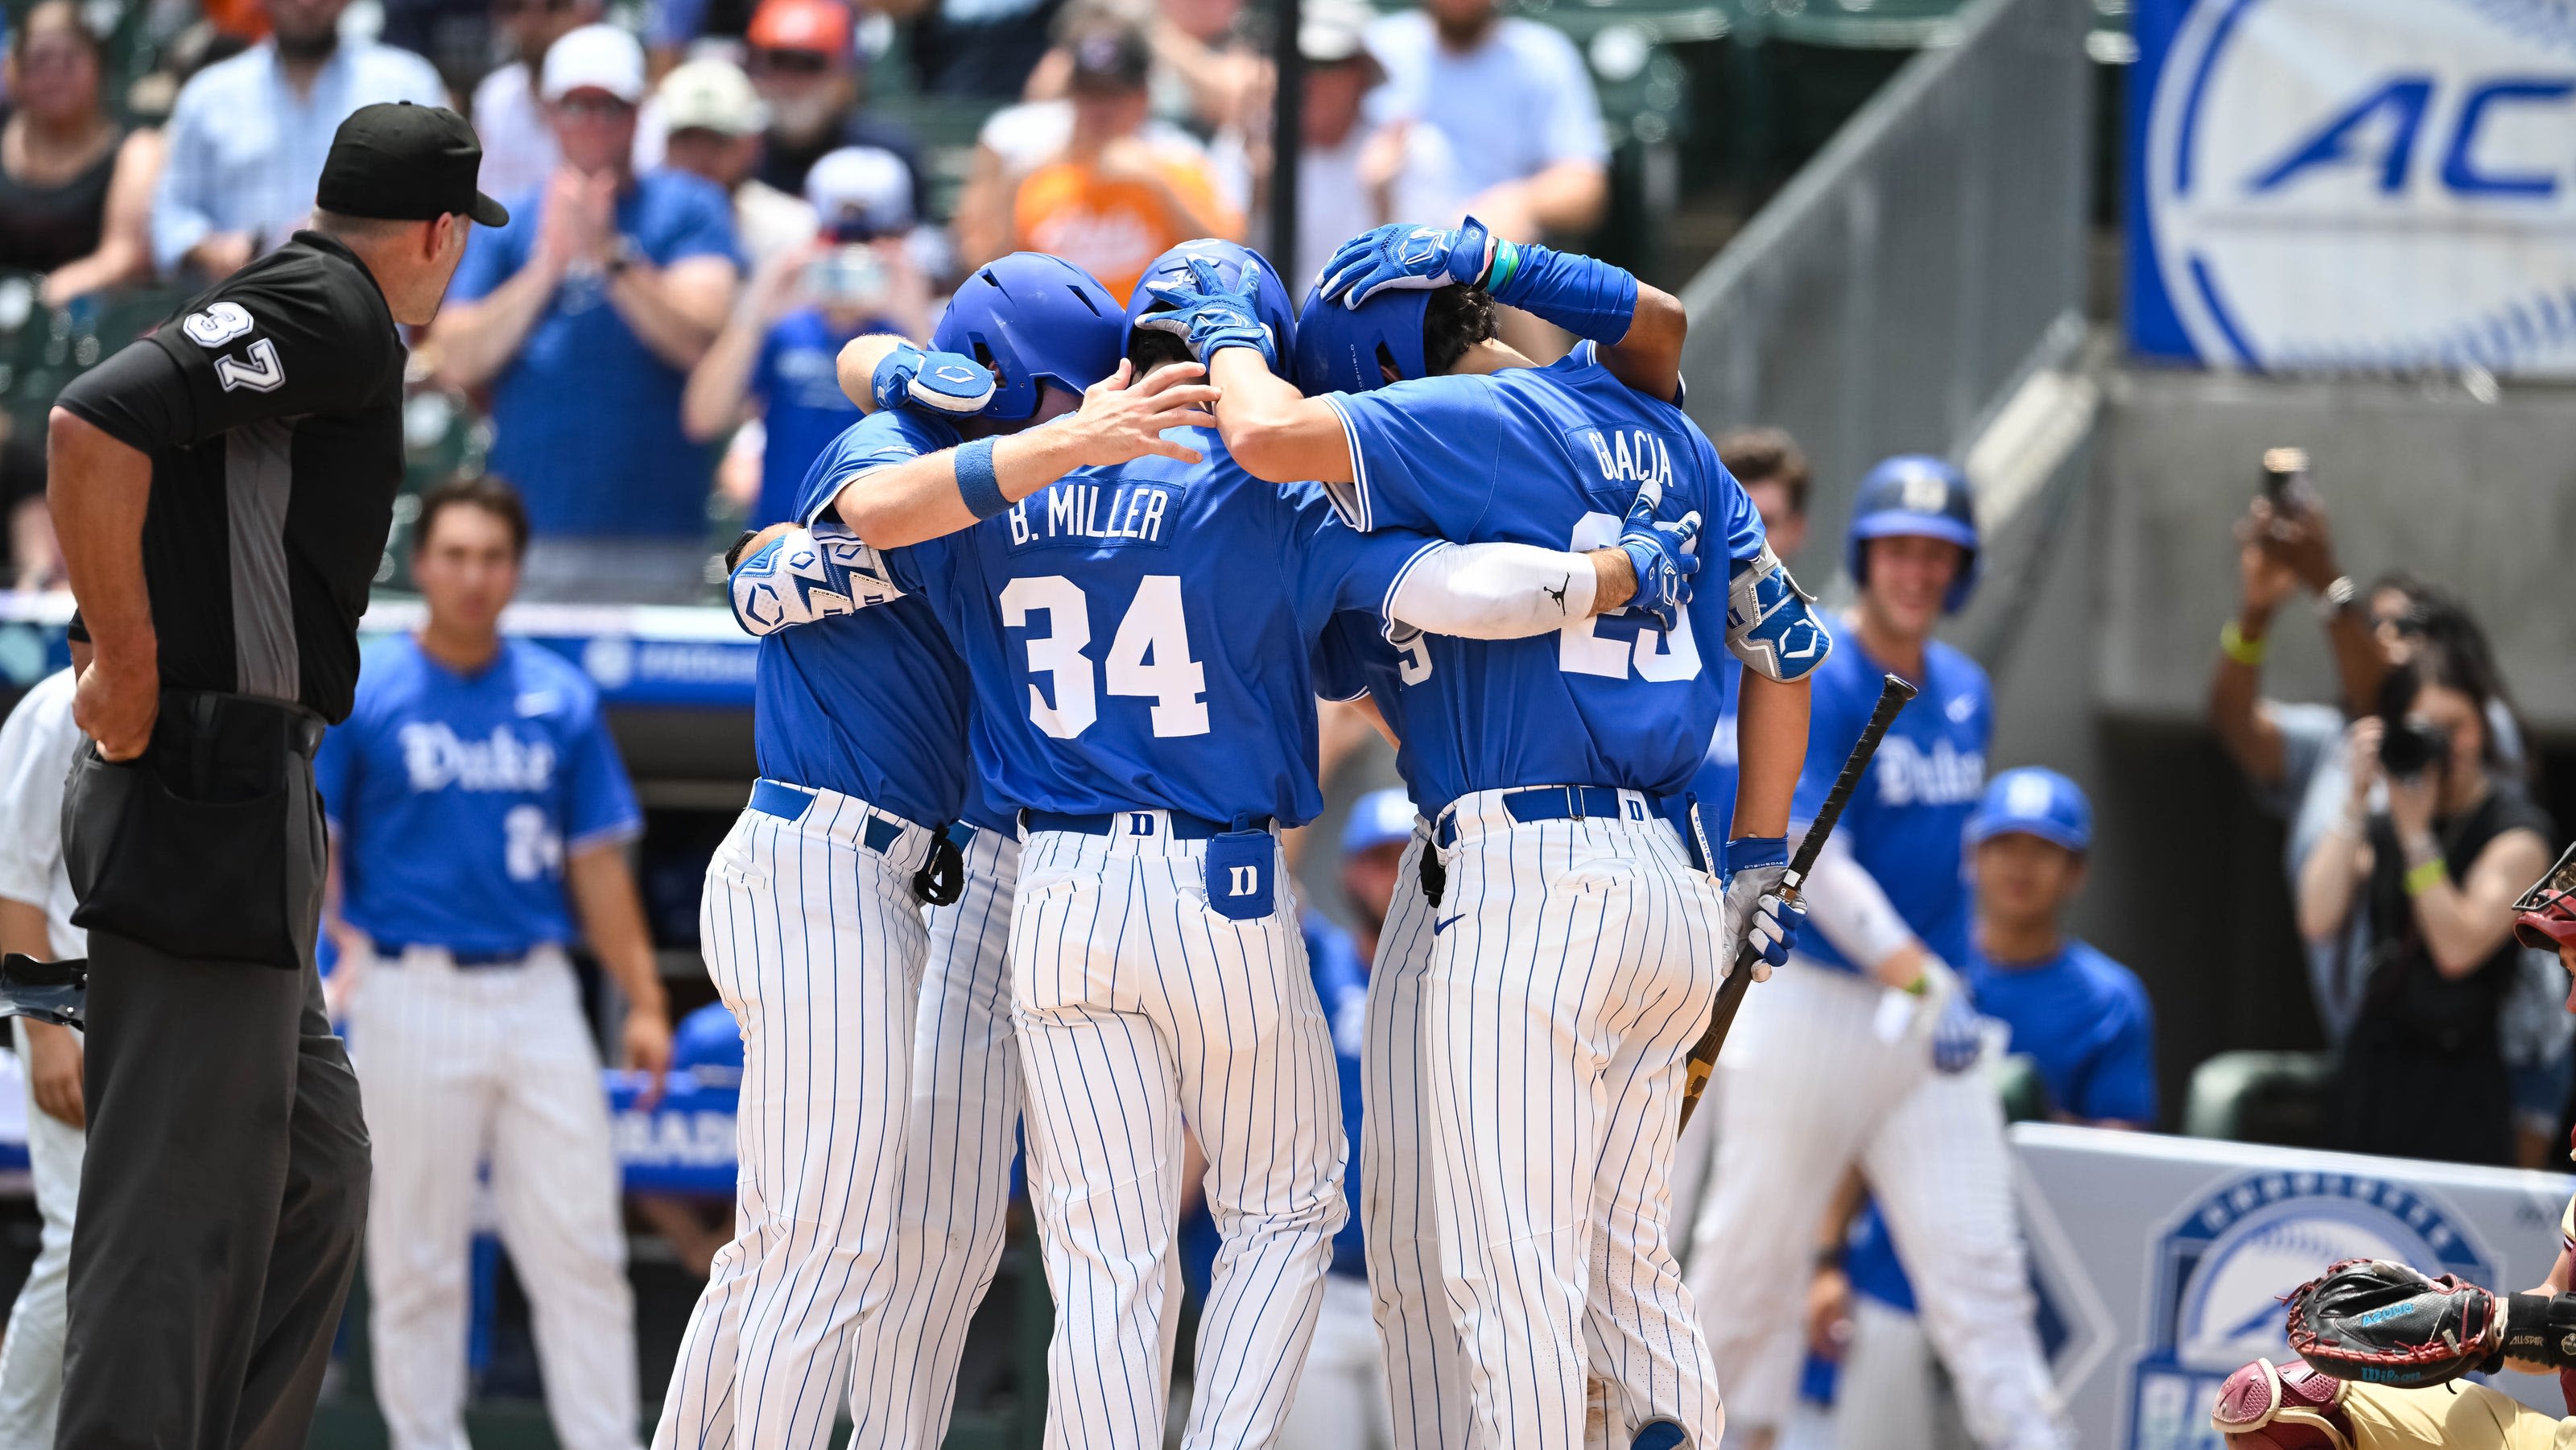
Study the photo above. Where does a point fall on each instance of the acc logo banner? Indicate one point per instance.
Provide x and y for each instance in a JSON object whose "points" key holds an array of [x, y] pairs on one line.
{"points": [[2223, 1265], [2336, 185]]}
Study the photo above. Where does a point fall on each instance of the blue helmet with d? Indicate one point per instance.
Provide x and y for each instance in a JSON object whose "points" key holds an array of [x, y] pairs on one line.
{"points": [[1231, 260], [1915, 496], [1033, 319], [1348, 349]]}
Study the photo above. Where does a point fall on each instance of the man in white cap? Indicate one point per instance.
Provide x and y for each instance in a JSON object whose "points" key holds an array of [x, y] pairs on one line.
{"points": [[583, 318], [775, 359], [509, 116], [709, 121]]}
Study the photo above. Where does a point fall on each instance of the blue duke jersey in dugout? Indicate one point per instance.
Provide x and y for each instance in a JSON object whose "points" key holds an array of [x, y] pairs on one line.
{"points": [[1906, 818], [870, 704], [1140, 635], [455, 799], [1552, 457]]}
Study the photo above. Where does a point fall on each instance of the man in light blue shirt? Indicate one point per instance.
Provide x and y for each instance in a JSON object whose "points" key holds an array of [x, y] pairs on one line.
{"points": [[248, 135], [1516, 104]]}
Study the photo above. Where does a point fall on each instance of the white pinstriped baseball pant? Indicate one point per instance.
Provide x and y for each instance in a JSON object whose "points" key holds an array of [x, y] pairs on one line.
{"points": [[1573, 964], [955, 1200], [1138, 1009], [1810, 1088], [815, 940]]}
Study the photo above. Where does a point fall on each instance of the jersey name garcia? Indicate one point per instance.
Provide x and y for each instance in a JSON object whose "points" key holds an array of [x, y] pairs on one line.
{"points": [[1550, 457]]}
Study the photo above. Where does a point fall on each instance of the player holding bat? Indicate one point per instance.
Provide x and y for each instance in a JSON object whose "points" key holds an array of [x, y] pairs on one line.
{"points": [[1858, 1050]]}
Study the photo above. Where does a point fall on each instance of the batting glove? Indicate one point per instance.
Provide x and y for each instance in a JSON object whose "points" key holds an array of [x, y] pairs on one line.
{"points": [[1958, 1035], [1211, 317], [950, 384], [1401, 254], [1757, 915], [1662, 555]]}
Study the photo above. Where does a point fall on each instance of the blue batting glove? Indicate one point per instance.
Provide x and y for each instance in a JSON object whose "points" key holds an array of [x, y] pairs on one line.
{"points": [[1662, 555], [949, 384], [1757, 914], [1211, 317], [1401, 254], [1959, 1036]]}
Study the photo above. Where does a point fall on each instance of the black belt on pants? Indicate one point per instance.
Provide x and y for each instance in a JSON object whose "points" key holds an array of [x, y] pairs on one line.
{"points": [[1185, 827]]}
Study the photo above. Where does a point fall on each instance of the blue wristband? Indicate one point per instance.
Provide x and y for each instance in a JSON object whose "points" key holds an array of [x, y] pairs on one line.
{"points": [[1584, 295], [977, 484], [1746, 852]]}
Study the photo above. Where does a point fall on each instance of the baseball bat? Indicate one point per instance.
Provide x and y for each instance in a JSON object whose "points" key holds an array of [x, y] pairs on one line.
{"points": [[1892, 695]]}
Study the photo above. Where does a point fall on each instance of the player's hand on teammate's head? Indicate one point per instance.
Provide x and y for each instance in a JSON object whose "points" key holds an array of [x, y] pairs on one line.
{"points": [[1405, 255], [943, 384], [1210, 316], [1123, 417]]}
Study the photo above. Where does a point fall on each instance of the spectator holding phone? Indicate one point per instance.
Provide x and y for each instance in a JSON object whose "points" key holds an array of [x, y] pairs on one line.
{"points": [[775, 359], [2431, 872]]}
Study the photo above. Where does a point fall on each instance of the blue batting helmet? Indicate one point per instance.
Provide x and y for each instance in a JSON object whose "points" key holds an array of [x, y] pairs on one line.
{"points": [[2032, 801], [1033, 319], [1270, 300], [1343, 349], [1914, 496]]}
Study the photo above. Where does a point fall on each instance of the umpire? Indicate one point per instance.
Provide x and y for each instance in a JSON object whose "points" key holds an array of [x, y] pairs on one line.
{"points": [[222, 490]]}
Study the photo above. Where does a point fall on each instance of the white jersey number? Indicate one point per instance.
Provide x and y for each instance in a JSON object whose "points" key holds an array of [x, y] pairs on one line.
{"points": [[1581, 651], [1149, 657]]}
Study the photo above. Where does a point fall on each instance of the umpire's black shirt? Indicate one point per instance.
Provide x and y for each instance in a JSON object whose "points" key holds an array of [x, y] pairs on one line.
{"points": [[271, 407]]}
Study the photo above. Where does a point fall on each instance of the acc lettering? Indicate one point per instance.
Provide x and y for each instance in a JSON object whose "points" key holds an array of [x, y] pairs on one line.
{"points": [[1243, 880], [1947, 775], [435, 759], [2381, 127]]}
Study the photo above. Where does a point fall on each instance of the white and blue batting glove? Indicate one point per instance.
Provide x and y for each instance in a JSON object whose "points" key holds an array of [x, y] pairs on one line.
{"points": [[806, 575], [950, 384], [1401, 254], [1210, 316], [1662, 554], [1757, 914], [1958, 1035]]}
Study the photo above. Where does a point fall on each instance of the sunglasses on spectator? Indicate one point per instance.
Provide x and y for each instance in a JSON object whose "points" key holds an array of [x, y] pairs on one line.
{"points": [[594, 108], [791, 62]]}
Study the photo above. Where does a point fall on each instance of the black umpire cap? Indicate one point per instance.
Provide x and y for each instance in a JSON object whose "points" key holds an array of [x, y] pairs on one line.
{"points": [[402, 162]]}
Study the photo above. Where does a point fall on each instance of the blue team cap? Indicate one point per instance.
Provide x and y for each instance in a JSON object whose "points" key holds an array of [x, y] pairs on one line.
{"points": [[1379, 818], [707, 1038], [1342, 349], [2034, 802]]}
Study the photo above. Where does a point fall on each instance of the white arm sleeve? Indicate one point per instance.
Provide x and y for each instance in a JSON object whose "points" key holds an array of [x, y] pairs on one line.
{"points": [[806, 575], [1844, 902], [1492, 591]]}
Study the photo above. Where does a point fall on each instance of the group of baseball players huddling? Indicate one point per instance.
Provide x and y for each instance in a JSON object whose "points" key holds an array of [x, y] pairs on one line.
{"points": [[1042, 652]]}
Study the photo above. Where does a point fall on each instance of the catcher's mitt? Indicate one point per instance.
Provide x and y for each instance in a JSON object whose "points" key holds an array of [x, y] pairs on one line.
{"points": [[2382, 1323]]}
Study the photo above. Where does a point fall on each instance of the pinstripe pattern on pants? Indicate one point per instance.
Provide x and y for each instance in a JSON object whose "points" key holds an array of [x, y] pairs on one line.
{"points": [[816, 943], [1138, 1009], [956, 1194], [1574, 963], [1426, 1369], [456, 1066], [1809, 1089]]}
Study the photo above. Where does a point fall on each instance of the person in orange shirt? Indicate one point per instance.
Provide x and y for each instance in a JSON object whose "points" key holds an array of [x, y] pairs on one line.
{"points": [[1112, 200]]}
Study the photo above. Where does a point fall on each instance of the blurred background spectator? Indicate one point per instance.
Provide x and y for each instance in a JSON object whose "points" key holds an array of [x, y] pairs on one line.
{"points": [[806, 72], [1516, 104], [1113, 197], [978, 48], [2431, 870], [774, 361], [247, 137], [509, 115], [582, 317], [710, 120]]}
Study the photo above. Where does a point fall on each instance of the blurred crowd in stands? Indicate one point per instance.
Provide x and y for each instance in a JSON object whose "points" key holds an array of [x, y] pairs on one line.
{"points": [[709, 197]]}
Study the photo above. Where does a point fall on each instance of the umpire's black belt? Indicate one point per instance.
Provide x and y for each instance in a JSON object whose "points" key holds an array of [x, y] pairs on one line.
{"points": [[787, 803], [1185, 827]]}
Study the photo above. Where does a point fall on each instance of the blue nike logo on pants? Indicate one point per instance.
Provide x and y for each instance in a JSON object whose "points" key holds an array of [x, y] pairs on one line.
{"points": [[1438, 927]]}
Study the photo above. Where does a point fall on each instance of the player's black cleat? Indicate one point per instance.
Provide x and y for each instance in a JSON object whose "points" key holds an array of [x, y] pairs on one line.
{"points": [[53, 992]]}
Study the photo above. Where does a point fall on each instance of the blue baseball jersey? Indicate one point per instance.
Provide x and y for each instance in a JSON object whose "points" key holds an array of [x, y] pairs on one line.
{"points": [[1905, 820], [1553, 457], [455, 799], [870, 704], [1142, 635], [1354, 658], [802, 408], [2084, 1021], [1869, 1260]]}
